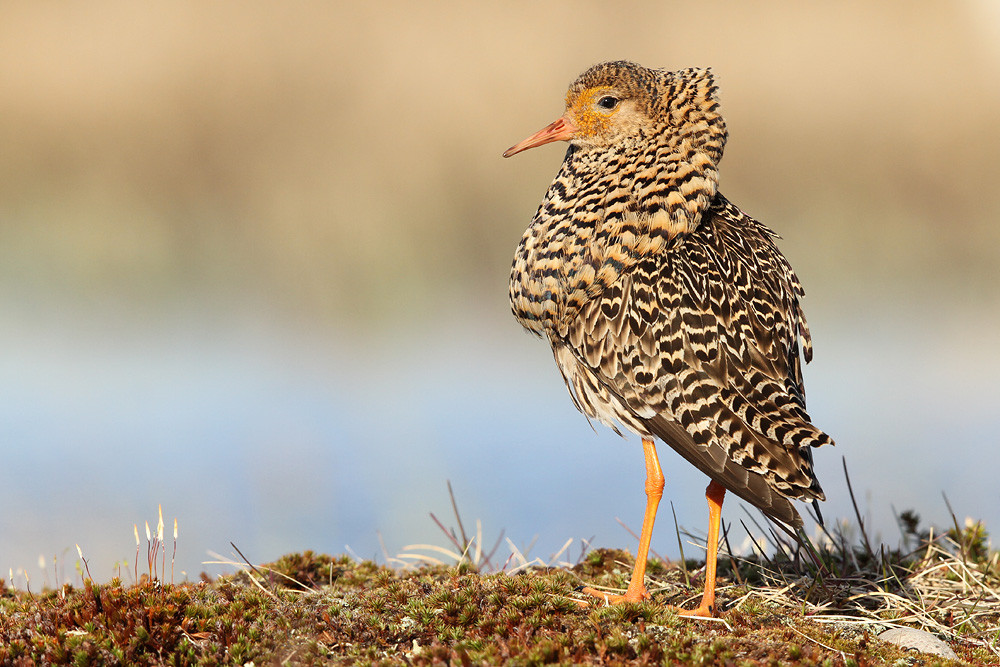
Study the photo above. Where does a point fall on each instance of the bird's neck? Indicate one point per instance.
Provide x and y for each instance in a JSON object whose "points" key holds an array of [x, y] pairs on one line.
{"points": [[663, 190]]}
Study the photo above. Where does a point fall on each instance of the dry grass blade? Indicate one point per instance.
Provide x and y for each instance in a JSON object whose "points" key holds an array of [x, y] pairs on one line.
{"points": [[857, 512], [680, 546], [479, 559], [523, 563], [828, 648], [458, 517], [554, 560], [729, 553], [457, 557], [420, 559], [249, 569], [449, 534]]}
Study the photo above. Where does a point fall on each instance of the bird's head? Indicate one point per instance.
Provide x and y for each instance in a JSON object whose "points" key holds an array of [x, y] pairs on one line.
{"points": [[616, 102]]}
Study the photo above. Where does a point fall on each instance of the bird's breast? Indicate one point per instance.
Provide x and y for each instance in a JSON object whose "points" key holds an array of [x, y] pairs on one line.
{"points": [[549, 277], [603, 213]]}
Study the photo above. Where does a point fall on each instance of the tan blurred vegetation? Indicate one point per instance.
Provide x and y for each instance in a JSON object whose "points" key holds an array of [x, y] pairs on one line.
{"points": [[342, 160]]}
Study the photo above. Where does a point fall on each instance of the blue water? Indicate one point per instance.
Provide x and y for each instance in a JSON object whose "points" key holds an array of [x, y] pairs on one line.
{"points": [[280, 437]]}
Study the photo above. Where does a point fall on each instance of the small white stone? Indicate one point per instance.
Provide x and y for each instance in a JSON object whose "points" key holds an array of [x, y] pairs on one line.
{"points": [[920, 640]]}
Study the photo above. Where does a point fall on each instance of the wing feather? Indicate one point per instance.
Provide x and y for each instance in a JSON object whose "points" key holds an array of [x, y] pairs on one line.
{"points": [[699, 345]]}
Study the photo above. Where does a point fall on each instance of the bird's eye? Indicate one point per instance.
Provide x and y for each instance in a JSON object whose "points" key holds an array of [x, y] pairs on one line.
{"points": [[607, 102]]}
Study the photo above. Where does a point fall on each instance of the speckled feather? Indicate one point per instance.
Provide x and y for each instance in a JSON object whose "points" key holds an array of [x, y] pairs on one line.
{"points": [[669, 310]]}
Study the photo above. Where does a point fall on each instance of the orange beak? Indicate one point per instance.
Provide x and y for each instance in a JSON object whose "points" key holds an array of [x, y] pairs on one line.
{"points": [[560, 130]]}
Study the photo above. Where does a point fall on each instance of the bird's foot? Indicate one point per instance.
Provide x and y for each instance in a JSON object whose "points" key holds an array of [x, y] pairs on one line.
{"points": [[608, 599], [704, 610]]}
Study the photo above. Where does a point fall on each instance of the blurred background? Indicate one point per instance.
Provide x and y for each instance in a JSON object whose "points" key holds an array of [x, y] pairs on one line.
{"points": [[254, 263]]}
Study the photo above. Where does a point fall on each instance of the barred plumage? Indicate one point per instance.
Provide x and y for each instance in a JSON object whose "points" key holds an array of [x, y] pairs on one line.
{"points": [[669, 310]]}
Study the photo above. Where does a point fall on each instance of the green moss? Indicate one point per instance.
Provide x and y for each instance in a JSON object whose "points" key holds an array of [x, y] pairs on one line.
{"points": [[346, 611]]}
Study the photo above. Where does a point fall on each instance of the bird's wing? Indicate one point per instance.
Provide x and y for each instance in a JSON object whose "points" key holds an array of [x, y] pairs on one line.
{"points": [[701, 344]]}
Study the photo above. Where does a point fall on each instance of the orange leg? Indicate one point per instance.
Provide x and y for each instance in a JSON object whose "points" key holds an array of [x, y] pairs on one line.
{"points": [[654, 491], [715, 493], [636, 592]]}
